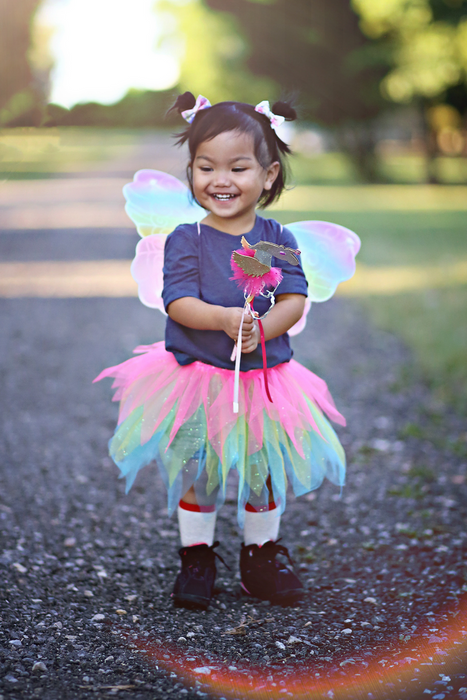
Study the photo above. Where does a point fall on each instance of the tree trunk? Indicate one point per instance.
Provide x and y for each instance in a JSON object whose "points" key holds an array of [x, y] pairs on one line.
{"points": [[358, 142], [431, 146]]}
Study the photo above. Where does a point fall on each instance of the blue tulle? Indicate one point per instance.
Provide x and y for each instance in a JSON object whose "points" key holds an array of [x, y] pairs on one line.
{"points": [[326, 461]]}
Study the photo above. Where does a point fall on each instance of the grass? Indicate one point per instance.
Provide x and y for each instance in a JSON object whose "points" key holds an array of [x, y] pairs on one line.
{"points": [[404, 168], [433, 324], [411, 169], [39, 153], [323, 169], [434, 431]]}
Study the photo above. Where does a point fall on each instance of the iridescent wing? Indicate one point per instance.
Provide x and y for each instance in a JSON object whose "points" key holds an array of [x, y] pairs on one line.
{"points": [[328, 258], [156, 203], [146, 269]]}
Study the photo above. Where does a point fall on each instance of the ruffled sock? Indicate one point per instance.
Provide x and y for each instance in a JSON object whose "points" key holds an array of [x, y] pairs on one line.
{"points": [[196, 524], [261, 525]]}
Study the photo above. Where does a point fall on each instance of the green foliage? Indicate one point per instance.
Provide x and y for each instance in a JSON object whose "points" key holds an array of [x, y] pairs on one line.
{"points": [[316, 49], [426, 42]]}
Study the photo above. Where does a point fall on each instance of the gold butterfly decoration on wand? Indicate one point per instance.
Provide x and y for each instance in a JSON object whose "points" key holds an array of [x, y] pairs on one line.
{"points": [[260, 263]]}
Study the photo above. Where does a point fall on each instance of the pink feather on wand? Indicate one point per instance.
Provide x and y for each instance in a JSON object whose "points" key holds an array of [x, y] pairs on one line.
{"points": [[252, 285]]}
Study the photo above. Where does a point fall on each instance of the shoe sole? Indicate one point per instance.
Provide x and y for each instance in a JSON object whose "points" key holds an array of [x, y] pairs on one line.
{"points": [[190, 601], [288, 597], [284, 598]]}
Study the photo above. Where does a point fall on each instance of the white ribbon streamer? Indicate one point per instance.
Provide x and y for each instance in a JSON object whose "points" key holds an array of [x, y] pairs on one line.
{"points": [[238, 355]]}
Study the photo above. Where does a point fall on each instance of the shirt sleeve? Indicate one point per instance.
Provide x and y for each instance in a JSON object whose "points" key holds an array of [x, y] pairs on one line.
{"points": [[293, 277], [181, 265]]}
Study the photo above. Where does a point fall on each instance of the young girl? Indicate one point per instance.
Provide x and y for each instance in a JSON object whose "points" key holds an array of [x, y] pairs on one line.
{"points": [[176, 398]]}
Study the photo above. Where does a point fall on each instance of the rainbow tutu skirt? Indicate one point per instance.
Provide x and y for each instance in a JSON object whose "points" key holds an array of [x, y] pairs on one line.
{"points": [[182, 418]]}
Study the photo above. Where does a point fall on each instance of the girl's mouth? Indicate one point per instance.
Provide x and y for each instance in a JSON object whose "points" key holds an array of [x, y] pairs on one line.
{"points": [[223, 197]]}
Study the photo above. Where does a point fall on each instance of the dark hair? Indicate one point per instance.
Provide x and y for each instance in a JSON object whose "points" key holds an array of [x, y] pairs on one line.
{"points": [[238, 116]]}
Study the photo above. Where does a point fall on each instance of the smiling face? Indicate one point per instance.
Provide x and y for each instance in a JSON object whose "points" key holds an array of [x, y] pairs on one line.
{"points": [[228, 181]]}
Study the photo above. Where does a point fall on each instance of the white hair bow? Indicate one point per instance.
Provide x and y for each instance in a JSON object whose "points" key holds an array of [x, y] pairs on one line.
{"points": [[275, 119], [201, 103]]}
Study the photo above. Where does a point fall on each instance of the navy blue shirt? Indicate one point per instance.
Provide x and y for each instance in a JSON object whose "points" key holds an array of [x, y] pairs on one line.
{"points": [[199, 266]]}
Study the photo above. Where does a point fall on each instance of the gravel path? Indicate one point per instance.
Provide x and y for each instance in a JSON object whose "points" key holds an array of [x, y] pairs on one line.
{"points": [[86, 572]]}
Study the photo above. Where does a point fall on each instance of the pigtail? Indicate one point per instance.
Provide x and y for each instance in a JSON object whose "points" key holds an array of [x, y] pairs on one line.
{"points": [[182, 103], [285, 109]]}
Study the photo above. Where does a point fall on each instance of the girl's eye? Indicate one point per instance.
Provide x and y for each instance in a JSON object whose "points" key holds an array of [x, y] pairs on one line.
{"points": [[238, 170], [205, 169]]}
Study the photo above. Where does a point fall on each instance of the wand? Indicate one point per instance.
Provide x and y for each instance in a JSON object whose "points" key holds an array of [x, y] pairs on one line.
{"points": [[253, 272]]}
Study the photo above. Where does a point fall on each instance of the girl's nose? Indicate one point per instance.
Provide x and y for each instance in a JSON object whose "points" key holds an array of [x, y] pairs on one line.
{"points": [[222, 178]]}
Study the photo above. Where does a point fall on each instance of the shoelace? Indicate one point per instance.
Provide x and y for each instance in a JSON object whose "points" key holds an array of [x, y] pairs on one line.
{"points": [[201, 554], [216, 544], [271, 549]]}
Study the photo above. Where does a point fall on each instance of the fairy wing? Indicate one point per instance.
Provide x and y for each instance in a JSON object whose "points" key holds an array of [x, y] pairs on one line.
{"points": [[146, 269], [328, 258], [157, 203]]}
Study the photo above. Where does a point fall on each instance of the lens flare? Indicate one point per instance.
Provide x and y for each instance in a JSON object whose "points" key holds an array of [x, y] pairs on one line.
{"points": [[421, 659]]}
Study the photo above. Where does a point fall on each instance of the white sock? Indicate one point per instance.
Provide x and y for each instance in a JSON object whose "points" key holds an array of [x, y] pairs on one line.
{"points": [[196, 527], [260, 527]]}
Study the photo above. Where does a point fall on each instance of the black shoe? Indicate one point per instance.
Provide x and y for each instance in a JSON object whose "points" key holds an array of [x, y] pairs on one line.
{"points": [[194, 584], [265, 578]]}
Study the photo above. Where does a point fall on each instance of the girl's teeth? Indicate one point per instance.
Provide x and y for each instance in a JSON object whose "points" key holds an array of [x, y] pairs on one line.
{"points": [[223, 196]]}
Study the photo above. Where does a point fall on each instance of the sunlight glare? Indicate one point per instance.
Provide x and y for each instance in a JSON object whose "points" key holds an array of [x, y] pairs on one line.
{"points": [[102, 48]]}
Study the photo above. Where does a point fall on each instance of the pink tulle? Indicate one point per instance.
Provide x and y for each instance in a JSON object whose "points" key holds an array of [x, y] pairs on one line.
{"points": [[254, 285], [155, 380]]}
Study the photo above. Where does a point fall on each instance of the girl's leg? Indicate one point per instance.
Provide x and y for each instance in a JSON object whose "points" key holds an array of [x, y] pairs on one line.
{"points": [[261, 522], [197, 518], [190, 496]]}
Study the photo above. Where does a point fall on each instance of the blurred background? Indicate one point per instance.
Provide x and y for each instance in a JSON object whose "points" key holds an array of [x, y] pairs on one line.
{"points": [[380, 147]]}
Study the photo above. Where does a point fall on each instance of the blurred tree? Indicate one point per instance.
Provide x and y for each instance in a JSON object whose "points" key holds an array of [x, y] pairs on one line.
{"points": [[137, 109], [426, 43], [213, 53], [317, 50], [19, 96]]}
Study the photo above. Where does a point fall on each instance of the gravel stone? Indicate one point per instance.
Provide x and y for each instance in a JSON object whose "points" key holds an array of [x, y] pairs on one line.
{"points": [[39, 667]]}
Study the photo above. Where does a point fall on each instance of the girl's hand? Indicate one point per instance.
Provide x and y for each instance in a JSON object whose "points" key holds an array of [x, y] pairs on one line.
{"points": [[231, 324], [251, 342]]}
